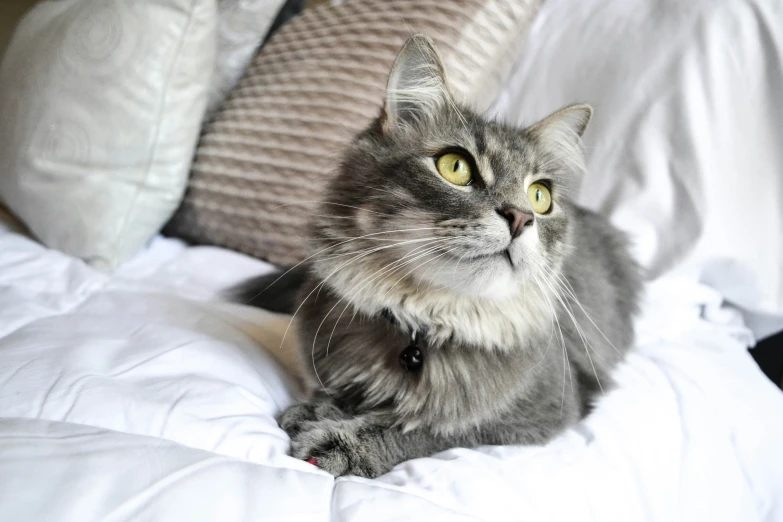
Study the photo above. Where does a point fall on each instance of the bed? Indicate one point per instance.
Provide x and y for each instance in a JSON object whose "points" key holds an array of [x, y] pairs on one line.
{"points": [[144, 395]]}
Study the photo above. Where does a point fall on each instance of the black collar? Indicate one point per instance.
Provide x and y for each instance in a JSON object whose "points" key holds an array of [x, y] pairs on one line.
{"points": [[411, 357]]}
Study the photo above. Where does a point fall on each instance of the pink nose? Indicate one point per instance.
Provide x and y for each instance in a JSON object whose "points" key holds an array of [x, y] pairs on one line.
{"points": [[517, 220]]}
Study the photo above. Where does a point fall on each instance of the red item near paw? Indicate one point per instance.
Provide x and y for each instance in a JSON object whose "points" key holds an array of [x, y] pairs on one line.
{"points": [[312, 460]]}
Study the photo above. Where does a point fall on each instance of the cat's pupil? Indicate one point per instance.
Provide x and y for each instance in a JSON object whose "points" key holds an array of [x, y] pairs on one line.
{"points": [[539, 195], [456, 166]]}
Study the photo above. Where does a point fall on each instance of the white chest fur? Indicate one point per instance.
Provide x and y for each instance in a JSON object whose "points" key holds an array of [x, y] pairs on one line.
{"points": [[502, 324]]}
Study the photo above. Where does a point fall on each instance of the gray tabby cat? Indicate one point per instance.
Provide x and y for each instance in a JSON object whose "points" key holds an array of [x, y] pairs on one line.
{"points": [[456, 295]]}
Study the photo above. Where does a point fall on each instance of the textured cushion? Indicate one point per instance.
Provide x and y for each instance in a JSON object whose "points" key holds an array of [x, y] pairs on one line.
{"points": [[101, 104], [269, 151], [242, 26]]}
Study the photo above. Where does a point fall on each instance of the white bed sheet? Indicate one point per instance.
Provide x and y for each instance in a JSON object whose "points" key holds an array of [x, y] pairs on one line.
{"points": [[140, 397]]}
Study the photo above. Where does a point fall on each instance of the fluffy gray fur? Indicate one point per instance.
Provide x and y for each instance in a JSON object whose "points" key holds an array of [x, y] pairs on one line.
{"points": [[519, 335]]}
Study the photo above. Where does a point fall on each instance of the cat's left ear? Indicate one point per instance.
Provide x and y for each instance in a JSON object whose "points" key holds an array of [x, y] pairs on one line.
{"points": [[417, 88], [560, 133]]}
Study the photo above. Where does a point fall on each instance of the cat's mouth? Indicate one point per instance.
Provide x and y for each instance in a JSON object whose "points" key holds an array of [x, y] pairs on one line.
{"points": [[504, 254]]}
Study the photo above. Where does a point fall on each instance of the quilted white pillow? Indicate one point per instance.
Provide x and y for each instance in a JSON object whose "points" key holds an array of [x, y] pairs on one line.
{"points": [[101, 104]]}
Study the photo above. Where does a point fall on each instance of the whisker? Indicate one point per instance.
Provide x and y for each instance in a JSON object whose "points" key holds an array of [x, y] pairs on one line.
{"points": [[344, 309], [572, 315], [378, 249], [385, 269], [572, 294], [416, 268], [579, 330], [329, 248], [566, 363], [327, 315], [317, 287]]}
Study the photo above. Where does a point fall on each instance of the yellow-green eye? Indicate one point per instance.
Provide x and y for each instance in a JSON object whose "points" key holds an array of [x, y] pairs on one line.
{"points": [[539, 197], [455, 169]]}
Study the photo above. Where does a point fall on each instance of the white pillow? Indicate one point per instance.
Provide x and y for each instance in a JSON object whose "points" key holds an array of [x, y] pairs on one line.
{"points": [[101, 104], [685, 150], [242, 26]]}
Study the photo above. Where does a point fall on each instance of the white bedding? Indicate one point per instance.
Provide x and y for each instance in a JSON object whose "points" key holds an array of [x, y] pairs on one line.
{"points": [[141, 397]]}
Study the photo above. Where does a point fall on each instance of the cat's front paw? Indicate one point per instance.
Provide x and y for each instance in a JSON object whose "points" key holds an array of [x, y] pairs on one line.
{"points": [[339, 448], [298, 417], [294, 419]]}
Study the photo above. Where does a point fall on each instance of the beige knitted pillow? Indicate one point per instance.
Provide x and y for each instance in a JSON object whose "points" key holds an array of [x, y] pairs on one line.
{"points": [[268, 153]]}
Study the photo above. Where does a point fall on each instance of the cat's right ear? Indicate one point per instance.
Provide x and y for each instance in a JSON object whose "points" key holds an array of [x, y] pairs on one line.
{"points": [[559, 134], [417, 87]]}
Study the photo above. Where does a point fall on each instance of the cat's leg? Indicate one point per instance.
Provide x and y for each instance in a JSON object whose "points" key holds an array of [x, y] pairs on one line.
{"points": [[365, 445], [371, 444]]}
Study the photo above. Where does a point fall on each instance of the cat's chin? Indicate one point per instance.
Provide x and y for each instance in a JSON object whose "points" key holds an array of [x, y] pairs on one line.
{"points": [[486, 277]]}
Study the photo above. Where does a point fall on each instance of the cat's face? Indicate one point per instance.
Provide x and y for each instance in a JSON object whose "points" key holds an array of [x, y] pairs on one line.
{"points": [[437, 195]]}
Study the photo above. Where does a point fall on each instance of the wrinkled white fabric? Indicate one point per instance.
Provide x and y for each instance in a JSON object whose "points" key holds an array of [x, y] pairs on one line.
{"points": [[139, 396]]}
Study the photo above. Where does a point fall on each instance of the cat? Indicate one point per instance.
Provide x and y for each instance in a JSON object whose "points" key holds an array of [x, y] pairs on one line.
{"points": [[456, 296]]}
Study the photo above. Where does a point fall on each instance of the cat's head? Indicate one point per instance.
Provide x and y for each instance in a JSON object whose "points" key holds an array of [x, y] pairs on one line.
{"points": [[434, 195]]}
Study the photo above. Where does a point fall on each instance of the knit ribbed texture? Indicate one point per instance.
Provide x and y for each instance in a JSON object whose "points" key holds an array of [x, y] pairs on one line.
{"points": [[263, 161]]}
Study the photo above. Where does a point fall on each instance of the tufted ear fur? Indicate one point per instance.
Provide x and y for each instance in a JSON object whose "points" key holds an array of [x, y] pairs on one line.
{"points": [[559, 134], [417, 86]]}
